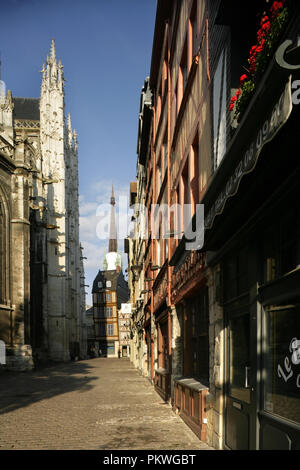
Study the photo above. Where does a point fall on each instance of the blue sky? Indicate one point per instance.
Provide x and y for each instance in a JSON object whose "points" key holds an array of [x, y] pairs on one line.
{"points": [[105, 47]]}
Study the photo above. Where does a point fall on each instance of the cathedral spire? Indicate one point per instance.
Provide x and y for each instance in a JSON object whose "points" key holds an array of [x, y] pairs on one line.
{"points": [[113, 244], [52, 52]]}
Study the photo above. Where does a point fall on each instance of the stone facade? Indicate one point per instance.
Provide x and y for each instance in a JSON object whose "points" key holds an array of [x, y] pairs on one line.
{"points": [[42, 297]]}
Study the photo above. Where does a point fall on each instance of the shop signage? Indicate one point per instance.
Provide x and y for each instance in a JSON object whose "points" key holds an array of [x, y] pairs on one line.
{"points": [[276, 119], [191, 267], [286, 372], [282, 49], [160, 292]]}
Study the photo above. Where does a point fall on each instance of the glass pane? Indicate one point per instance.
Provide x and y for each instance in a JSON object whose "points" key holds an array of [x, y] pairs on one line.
{"points": [[282, 362], [239, 357]]}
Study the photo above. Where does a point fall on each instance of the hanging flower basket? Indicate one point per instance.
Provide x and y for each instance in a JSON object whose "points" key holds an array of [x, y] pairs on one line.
{"points": [[271, 27]]}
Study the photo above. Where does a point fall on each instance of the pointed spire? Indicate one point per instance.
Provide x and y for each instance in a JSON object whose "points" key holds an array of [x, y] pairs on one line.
{"points": [[52, 52], [112, 199], [69, 122], [113, 243]]}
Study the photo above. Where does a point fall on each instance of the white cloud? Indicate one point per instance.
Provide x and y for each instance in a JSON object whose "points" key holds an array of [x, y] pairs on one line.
{"points": [[87, 208], [94, 254]]}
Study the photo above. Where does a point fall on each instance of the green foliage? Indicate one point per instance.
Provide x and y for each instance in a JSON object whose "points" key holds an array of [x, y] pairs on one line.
{"points": [[248, 90]]}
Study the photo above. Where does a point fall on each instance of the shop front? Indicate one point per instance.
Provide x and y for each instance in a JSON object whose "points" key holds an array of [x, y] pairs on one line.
{"points": [[162, 380], [252, 240], [148, 345]]}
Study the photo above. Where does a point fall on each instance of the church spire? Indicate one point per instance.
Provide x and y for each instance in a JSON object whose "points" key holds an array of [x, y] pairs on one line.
{"points": [[113, 244], [52, 52]]}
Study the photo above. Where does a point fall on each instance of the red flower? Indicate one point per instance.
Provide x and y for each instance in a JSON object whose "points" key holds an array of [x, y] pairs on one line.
{"points": [[266, 27], [252, 62], [238, 93], [263, 31], [276, 7], [265, 19], [231, 107], [243, 78]]}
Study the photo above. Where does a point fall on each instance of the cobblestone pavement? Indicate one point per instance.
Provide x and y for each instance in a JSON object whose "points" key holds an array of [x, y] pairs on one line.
{"points": [[94, 404]]}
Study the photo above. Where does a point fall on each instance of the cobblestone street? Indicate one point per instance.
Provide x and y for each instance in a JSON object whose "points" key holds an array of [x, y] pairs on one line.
{"points": [[94, 404]]}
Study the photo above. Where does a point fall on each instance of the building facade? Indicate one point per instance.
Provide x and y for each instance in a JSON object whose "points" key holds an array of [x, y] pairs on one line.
{"points": [[124, 329], [110, 290], [221, 312], [42, 273]]}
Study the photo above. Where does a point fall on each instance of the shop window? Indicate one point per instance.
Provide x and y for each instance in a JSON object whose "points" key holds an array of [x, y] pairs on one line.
{"points": [[110, 348], [108, 298], [196, 354], [163, 346], [282, 361], [236, 275], [280, 247]]}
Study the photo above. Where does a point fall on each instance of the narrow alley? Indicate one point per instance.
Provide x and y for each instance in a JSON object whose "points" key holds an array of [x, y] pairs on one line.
{"points": [[95, 404]]}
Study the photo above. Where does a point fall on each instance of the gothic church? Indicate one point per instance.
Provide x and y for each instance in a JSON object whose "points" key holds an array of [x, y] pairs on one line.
{"points": [[42, 299]]}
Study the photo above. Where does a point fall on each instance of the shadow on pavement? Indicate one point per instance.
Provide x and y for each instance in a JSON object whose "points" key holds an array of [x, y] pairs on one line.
{"points": [[21, 389]]}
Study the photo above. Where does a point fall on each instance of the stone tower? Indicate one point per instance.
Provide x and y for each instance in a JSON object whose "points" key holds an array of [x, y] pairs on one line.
{"points": [[59, 150]]}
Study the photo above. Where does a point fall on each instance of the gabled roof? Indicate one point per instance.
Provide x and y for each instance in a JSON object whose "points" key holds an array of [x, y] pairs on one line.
{"points": [[118, 284]]}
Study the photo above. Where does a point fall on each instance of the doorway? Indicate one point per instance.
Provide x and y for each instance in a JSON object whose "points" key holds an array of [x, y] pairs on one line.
{"points": [[240, 354]]}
